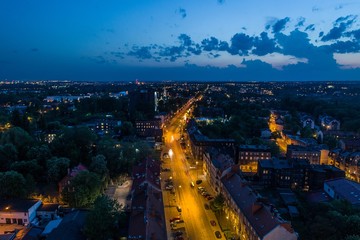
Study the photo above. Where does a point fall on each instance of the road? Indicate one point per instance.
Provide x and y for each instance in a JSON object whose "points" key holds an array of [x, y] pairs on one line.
{"points": [[196, 217]]}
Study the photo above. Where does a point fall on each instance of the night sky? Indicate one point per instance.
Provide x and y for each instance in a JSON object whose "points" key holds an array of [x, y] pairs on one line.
{"points": [[210, 40]]}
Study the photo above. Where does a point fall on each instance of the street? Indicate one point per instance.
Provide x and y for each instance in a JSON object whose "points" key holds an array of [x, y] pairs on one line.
{"points": [[196, 217]]}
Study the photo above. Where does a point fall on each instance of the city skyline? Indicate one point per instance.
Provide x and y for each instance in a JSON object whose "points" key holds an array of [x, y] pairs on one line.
{"points": [[182, 40]]}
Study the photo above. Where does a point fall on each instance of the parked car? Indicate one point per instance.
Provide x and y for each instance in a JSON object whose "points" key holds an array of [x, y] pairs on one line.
{"points": [[198, 181], [213, 223], [218, 234], [178, 208]]}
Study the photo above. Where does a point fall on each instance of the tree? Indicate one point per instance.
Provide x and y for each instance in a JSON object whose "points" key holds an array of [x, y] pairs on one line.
{"points": [[103, 220], [27, 167], [12, 185], [8, 154], [19, 138], [218, 203], [83, 189], [40, 153], [57, 168], [98, 166], [353, 237]]}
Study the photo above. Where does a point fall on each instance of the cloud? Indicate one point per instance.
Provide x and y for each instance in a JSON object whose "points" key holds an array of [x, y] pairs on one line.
{"points": [[185, 40], [117, 54], [345, 46], [210, 44], [280, 25], [340, 26], [221, 1], [141, 52], [182, 12], [263, 45], [240, 44], [310, 27], [301, 22]]}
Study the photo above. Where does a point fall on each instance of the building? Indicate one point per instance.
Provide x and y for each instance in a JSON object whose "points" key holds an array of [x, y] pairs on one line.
{"points": [[343, 189], [147, 217], [18, 211], [318, 174], [198, 142], [310, 153], [142, 100], [350, 144], [71, 174], [292, 173], [216, 162], [248, 156], [347, 161], [307, 121], [329, 123], [252, 218], [149, 128]]}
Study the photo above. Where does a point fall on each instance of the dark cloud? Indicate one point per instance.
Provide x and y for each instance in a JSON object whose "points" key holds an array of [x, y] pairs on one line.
{"points": [[321, 34], [223, 46], [117, 54], [141, 52], [263, 45], [310, 27], [212, 55], [301, 22], [210, 44], [185, 40], [182, 12], [340, 26], [195, 49], [345, 46], [280, 25], [240, 44]]}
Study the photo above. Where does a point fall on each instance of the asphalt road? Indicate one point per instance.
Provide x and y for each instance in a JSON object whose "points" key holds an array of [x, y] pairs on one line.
{"points": [[196, 217]]}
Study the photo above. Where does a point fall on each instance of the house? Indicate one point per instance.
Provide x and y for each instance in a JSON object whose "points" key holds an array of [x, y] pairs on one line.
{"points": [[310, 153], [147, 217], [343, 189], [350, 144], [18, 211], [248, 156], [70, 227], [48, 211], [71, 174], [286, 173], [252, 217], [149, 128], [329, 123], [307, 121], [216, 162]]}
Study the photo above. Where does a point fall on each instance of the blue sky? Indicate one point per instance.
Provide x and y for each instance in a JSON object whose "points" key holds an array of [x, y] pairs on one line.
{"points": [[210, 40]]}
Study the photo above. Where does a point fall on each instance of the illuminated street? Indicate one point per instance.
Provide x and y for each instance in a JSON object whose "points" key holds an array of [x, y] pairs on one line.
{"points": [[196, 217]]}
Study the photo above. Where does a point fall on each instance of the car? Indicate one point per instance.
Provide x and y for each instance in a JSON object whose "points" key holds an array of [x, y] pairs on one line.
{"points": [[192, 184], [178, 208], [213, 223], [178, 233], [198, 181], [174, 219], [218, 234]]}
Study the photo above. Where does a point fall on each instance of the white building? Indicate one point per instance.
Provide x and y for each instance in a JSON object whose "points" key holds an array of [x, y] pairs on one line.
{"points": [[18, 211]]}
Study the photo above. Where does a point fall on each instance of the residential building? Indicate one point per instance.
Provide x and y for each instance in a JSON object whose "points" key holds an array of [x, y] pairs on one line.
{"points": [[149, 128], [310, 153], [343, 189], [329, 123], [252, 218], [318, 174], [292, 173], [350, 144], [307, 121], [18, 211], [347, 161], [216, 162], [249, 155], [147, 217], [71, 174]]}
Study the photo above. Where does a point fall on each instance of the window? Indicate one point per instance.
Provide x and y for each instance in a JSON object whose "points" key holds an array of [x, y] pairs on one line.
{"points": [[24, 214], [25, 220]]}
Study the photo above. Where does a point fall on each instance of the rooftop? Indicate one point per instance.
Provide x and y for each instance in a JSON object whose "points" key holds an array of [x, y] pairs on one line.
{"points": [[17, 205], [346, 189]]}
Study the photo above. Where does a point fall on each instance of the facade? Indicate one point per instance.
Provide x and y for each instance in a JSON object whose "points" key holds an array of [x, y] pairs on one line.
{"points": [[71, 174], [149, 128], [18, 211], [216, 162], [252, 218], [292, 173], [318, 174], [343, 189], [310, 153], [249, 155], [347, 161]]}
